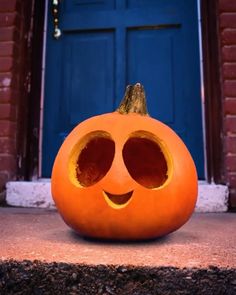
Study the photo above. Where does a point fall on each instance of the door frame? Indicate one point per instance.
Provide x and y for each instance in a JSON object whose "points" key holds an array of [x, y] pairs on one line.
{"points": [[211, 91]]}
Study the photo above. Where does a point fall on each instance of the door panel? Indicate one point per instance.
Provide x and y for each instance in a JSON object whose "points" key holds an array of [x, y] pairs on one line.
{"points": [[83, 5], [106, 45], [87, 88], [150, 52]]}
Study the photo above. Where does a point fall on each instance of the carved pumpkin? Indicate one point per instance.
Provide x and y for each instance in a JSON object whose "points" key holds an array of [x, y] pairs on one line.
{"points": [[124, 175]]}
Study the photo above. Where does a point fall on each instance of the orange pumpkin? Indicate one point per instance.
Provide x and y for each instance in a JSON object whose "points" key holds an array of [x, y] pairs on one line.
{"points": [[124, 175]]}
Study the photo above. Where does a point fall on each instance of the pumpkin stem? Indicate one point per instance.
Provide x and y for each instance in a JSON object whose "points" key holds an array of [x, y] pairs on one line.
{"points": [[134, 100]]}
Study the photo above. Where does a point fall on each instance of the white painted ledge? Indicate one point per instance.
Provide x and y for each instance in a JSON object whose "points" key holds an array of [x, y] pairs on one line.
{"points": [[35, 194], [211, 197]]}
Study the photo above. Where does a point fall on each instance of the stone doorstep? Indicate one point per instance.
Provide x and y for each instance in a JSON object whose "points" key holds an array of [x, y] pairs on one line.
{"points": [[37, 194]]}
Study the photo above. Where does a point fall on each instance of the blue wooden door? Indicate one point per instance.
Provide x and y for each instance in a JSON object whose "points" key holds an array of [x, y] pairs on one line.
{"points": [[108, 44]]}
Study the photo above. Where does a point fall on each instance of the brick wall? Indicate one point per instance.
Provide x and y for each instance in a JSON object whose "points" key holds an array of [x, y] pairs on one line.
{"points": [[13, 48], [227, 23]]}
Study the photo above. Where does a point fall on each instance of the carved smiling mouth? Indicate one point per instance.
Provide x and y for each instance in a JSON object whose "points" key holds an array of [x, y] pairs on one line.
{"points": [[117, 201]]}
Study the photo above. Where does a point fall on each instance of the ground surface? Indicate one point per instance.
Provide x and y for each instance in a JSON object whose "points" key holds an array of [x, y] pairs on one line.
{"points": [[39, 254], [207, 239], [62, 278]]}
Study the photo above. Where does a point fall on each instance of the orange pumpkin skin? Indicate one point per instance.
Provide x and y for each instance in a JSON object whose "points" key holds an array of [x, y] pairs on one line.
{"points": [[149, 213]]}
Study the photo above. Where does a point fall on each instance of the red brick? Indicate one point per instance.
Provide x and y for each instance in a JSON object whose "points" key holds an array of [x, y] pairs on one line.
{"points": [[230, 162], [8, 48], [9, 79], [5, 80], [227, 5], [230, 124], [7, 111], [8, 19], [229, 106], [7, 146], [8, 163], [5, 95], [229, 88], [228, 53], [7, 128], [230, 144], [229, 70], [228, 20], [9, 34], [6, 64], [228, 37], [4, 178], [232, 180], [8, 5], [8, 95], [232, 198]]}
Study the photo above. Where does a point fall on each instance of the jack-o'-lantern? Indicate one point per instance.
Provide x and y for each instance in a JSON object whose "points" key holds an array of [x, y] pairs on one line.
{"points": [[124, 175]]}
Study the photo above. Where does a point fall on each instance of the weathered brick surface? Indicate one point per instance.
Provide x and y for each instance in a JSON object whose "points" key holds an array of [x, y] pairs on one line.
{"points": [[227, 5], [228, 20], [232, 196], [230, 124], [7, 111], [8, 49], [229, 53], [7, 146], [8, 34], [8, 162], [9, 19], [229, 88], [230, 162], [6, 64], [229, 106], [8, 95], [230, 144], [13, 38], [232, 179], [7, 128], [228, 36], [4, 177], [6, 79], [229, 70], [8, 5], [227, 27]]}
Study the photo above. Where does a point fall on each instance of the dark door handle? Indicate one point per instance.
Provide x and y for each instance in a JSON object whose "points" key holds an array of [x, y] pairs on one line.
{"points": [[55, 15]]}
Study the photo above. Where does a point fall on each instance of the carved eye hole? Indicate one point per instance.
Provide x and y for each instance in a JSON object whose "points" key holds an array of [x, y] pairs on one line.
{"points": [[145, 161], [95, 159]]}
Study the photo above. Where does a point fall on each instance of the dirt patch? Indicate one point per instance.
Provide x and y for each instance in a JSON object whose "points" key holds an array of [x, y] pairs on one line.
{"points": [[35, 277]]}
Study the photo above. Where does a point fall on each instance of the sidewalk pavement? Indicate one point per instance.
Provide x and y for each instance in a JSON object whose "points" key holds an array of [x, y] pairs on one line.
{"points": [[205, 240]]}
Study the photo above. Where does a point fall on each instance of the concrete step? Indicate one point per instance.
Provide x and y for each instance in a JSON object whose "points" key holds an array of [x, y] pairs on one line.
{"points": [[37, 194], [39, 254]]}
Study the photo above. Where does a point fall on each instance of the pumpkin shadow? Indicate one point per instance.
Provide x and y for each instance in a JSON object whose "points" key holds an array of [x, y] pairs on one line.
{"points": [[99, 241]]}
